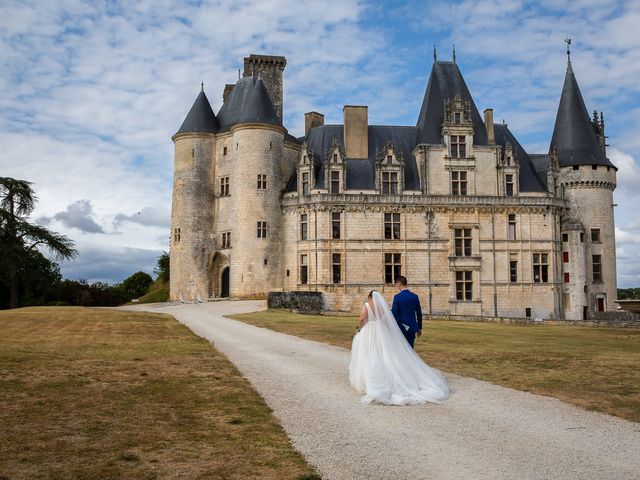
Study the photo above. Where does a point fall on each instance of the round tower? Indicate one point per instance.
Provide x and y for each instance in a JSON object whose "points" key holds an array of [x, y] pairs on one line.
{"points": [[256, 183], [587, 180], [192, 204]]}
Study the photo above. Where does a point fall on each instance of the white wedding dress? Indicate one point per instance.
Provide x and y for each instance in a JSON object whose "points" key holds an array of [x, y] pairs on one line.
{"points": [[385, 368]]}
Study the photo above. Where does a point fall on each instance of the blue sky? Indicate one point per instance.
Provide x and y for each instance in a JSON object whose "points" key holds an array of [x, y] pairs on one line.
{"points": [[91, 92]]}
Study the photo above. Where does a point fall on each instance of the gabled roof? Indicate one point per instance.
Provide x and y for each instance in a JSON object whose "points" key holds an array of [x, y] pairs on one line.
{"points": [[445, 82], [360, 173], [248, 102], [528, 179], [574, 134], [200, 118]]}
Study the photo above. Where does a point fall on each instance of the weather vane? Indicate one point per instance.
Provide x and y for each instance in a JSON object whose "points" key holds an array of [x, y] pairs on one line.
{"points": [[202, 86]]}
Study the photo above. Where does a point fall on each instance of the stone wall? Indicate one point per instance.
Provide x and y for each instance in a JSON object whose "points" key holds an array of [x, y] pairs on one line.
{"points": [[302, 302]]}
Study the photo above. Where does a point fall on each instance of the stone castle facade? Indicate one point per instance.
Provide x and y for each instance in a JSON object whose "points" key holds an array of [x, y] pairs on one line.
{"points": [[478, 226]]}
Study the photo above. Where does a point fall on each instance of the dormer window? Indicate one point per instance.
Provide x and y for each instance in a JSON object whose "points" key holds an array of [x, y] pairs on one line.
{"points": [[389, 159], [335, 181], [458, 146], [456, 118], [335, 158], [390, 183], [305, 160], [305, 183], [509, 184]]}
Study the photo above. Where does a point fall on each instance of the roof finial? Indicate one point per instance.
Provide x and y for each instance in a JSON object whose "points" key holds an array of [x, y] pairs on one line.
{"points": [[435, 55], [568, 42], [238, 74], [454, 53], [202, 86]]}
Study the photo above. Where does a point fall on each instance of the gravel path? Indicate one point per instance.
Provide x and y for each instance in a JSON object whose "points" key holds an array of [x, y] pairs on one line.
{"points": [[482, 432]]}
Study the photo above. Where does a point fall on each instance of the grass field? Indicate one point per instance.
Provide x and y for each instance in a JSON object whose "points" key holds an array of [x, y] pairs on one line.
{"points": [[594, 368], [105, 394]]}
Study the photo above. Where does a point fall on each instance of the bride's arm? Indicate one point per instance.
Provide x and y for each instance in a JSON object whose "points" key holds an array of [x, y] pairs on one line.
{"points": [[363, 316]]}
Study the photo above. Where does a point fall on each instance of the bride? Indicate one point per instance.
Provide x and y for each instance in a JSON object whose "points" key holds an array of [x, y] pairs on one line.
{"points": [[383, 365]]}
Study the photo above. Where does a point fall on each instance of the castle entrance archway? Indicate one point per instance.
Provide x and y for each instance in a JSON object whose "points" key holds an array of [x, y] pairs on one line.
{"points": [[224, 283]]}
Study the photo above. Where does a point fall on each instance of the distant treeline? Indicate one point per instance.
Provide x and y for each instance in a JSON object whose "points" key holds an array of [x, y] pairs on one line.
{"points": [[629, 293]]}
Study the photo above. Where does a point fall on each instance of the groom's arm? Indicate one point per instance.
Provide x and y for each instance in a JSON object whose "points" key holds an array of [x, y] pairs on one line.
{"points": [[419, 314]]}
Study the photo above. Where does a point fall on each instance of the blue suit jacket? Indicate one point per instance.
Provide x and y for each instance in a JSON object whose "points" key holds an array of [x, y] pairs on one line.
{"points": [[407, 310]]}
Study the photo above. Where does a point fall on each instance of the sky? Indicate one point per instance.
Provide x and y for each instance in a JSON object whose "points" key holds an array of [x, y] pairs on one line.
{"points": [[91, 92]]}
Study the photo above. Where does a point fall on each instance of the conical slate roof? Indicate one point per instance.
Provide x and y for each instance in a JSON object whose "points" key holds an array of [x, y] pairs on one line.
{"points": [[248, 102], [200, 118], [445, 82], [574, 135]]}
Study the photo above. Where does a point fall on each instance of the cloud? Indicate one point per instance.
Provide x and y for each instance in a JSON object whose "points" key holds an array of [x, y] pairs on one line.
{"points": [[77, 215], [628, 176], [149, 216]]}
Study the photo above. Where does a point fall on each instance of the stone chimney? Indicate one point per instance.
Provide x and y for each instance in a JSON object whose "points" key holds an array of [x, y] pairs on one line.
{"points": [[270, 69], [227, 90], [312, 119], [488, 123], [356, 135]]}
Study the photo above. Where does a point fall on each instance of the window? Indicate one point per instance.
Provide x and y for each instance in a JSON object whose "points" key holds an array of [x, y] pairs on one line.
{"points": [[595, 235], [176, 235], [224, 151], [262, 182], [567, 277], [565, 237], [527, 312], [458, 183], [226, 239], [335, 182], [456, 118], [390, 182], [576, 167], [392, 267], [389, 159], [193, 152], [463, 242], [565, 257], [305, 183], [224, 186], [509, 185], [458, 146], [335, 158], [597, 267], [335, 225], [303, 226], [304, 269], [266, 261], [262, 229], [464, 285], [594, 167], [541, 267], [581, 237], [392, 226], [336, 265], [513, 271], [512, 226]]}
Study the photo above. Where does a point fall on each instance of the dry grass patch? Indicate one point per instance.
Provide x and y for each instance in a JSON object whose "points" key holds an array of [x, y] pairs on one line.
{"points": [[95, 393], [594, 368]]}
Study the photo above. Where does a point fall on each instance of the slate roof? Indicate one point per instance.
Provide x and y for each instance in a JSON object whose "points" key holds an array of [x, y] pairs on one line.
{"points": [[200, 118], [528, 179], [445, 82], [574, 135], [360, 173], [541, 166], [248, 102]]}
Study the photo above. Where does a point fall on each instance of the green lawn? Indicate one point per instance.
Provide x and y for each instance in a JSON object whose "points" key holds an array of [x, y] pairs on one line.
{"points": [[594, 368], [109, 394]]}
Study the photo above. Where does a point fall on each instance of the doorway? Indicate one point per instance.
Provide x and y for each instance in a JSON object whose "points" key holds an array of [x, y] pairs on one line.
{"points": [[600, 301], [224, 283]]}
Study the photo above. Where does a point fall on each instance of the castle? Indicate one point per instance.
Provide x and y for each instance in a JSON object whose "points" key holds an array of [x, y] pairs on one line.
{"points": [[478, 226]]}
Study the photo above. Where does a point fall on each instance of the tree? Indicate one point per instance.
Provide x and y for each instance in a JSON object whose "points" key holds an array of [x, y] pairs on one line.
{"points": [[19, 238], [162, 267], [137, 284]]}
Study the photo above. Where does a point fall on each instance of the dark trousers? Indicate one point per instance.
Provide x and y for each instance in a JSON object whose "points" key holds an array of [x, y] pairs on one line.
{"points": [[410, 336]]}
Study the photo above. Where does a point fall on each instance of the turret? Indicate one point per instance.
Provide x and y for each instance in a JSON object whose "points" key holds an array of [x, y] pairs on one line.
{"points": [[587, 179], [192, 205], [256, 183]]}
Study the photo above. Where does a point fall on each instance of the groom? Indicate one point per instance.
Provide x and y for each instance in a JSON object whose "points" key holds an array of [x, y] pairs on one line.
{"points": [[407, 311]]}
